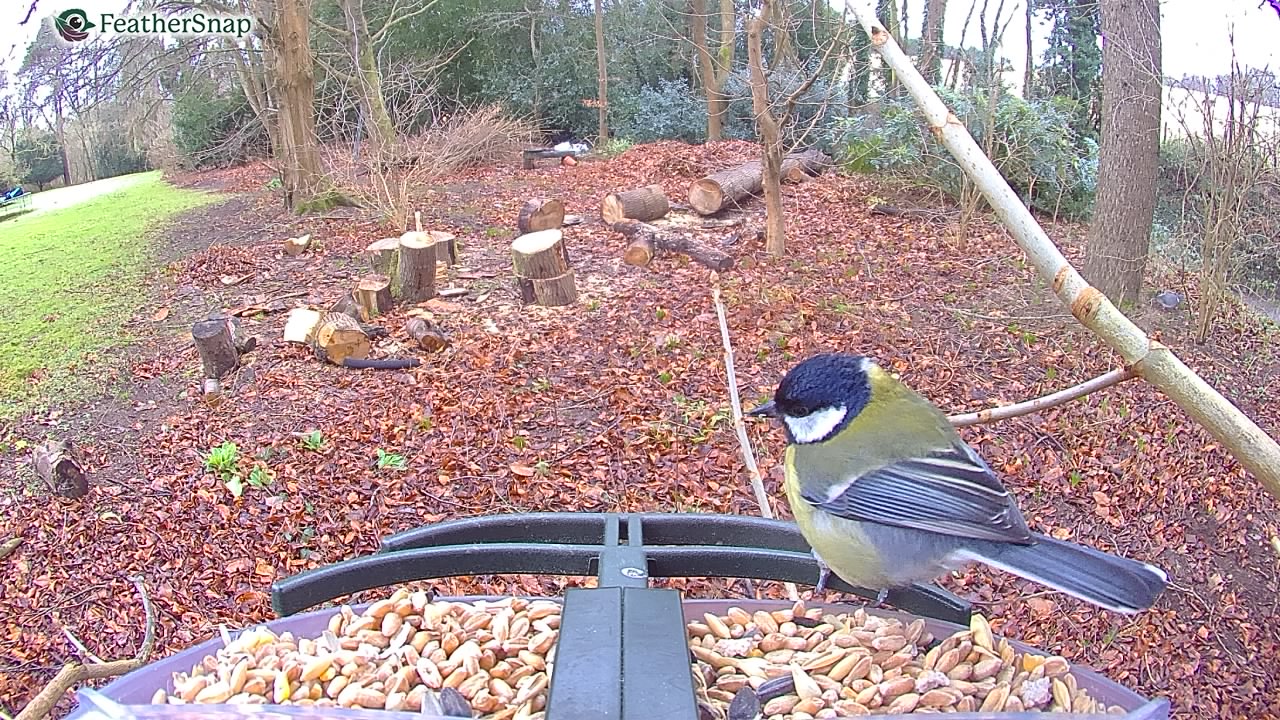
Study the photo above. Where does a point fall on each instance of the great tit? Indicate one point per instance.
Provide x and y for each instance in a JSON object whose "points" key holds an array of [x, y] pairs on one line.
{"points": [[887, 494]]}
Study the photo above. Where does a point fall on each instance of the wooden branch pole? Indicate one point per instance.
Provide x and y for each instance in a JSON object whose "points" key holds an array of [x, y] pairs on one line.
{"points": [[1152, 361], [426, 334], [540, 214], [542, 272], [1045, 402], [339, 337], [373, 295], [646, 238], [645, 203], [416, 270], [56, 463]]}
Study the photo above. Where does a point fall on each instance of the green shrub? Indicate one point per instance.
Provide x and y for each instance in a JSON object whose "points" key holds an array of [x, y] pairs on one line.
{"points": [[1033, 146], [212, 129], [667, 110]]}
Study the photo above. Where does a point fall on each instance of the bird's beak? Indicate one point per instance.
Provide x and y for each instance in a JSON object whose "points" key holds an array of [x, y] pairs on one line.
{"points": [[767, 410]]}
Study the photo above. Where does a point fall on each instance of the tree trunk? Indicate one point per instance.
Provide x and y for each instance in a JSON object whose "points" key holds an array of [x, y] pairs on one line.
{"points": [[714, 64], [931, 42], [378, 124], [373, 293], [542, 272], [887, 11], [294, 81], [646, 239], [645, 203], [775, 235], [220, 342], [1028, 89], [734, 185], [1120, 232], [416, 270], [602, 77]]}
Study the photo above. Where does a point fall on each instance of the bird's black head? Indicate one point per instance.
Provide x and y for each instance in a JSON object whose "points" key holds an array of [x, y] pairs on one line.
{"points": [[818, 397]]}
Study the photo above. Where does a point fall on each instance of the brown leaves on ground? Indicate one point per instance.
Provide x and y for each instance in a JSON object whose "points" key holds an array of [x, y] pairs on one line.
{"points": [[618, 403]]}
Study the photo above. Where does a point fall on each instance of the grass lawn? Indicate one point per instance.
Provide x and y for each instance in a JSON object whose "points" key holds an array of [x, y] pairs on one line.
{"points": [[70, 278]]}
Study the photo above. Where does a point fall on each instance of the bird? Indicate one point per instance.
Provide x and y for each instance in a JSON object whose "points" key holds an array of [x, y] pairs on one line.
{"points": [[887, 493]]}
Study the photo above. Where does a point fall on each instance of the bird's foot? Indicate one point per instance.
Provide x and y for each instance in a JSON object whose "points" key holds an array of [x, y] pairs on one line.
{"points": [[881, 596], [824, 574]]}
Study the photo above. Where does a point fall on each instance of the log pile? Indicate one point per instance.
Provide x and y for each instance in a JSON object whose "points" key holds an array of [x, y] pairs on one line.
{"points": [[646, 204], [542, 272], [732, 186], [646, 240]]}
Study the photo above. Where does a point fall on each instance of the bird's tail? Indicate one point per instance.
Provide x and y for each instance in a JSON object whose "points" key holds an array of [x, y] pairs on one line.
{"points": [[1115, 583]]}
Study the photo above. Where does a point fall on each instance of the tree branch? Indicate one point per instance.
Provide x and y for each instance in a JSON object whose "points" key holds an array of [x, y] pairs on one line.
{"points": [[381, 34], [748, 455], [1151, 360], [1061, 397], [74, 673], [30, 11]]}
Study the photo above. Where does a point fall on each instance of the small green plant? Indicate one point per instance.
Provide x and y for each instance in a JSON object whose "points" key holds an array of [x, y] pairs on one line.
{"points": [[223, 458], [425, 424], [542, 467], [519, 442], [1075, 478], [313, 440], [613, 147], [540, 385], [261, 476], [393, 461], [274, 184], [494, 232], [661, 313], [664, 377], [593, 304]]}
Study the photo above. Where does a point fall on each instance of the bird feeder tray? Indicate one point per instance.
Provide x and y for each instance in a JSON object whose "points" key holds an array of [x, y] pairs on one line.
{"points": [[622, 653]]}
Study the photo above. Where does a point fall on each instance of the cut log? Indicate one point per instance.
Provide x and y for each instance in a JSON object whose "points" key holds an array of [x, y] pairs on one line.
{"points": [[383, 256], [301, 325], [540, 214], [542, 272], [646, 203], [346, 305], [446, 246], [294, 247], [811, 163], [734, 185], [56, 463], [426, 334], [339, 337], [373, 295], [644, 236], [639, 251], [216, 342], [416, 273]]}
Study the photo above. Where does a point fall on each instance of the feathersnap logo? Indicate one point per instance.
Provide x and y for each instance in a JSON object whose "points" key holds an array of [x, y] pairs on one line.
{"points": [[72, 24]]}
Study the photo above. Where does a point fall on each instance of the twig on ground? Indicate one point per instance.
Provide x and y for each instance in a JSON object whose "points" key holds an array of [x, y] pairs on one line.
{"points": [[84, 651], [748, 455], [1061, 397], [74, 673]]}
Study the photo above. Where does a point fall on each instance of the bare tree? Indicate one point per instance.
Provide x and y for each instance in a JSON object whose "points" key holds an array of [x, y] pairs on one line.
{"points": [[771, 121], [1028, 73], [288, 47], [1119, 236], [931, 42], [714, 62]]}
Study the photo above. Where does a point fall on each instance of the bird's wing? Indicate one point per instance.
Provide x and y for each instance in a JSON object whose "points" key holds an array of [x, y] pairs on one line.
{"points": [[952, 492]]}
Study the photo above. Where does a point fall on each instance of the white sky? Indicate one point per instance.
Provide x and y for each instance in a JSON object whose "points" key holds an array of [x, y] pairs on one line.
{"points": [[1194, 31]]}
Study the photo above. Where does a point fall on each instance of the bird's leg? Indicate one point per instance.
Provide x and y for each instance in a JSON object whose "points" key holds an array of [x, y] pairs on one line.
{"points": [[881, 597], [824, 574]]}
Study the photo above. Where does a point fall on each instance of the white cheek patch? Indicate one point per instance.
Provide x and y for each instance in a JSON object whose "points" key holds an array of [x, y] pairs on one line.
{"points": [[816, 425]]}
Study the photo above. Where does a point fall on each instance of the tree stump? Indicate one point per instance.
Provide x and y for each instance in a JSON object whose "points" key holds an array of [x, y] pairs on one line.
{"points": [[426, 334], [646, 238], [383, 256], [56, 463], [373, 295], [645, 203], [339, 337], [446, 246], [215, 339], [416, 272], [346, 305], [542, 272], [540, 214]]}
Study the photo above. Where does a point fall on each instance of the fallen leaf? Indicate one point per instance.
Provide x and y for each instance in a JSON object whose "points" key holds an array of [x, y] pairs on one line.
{"points": [[522, 470], [160, 314]]}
